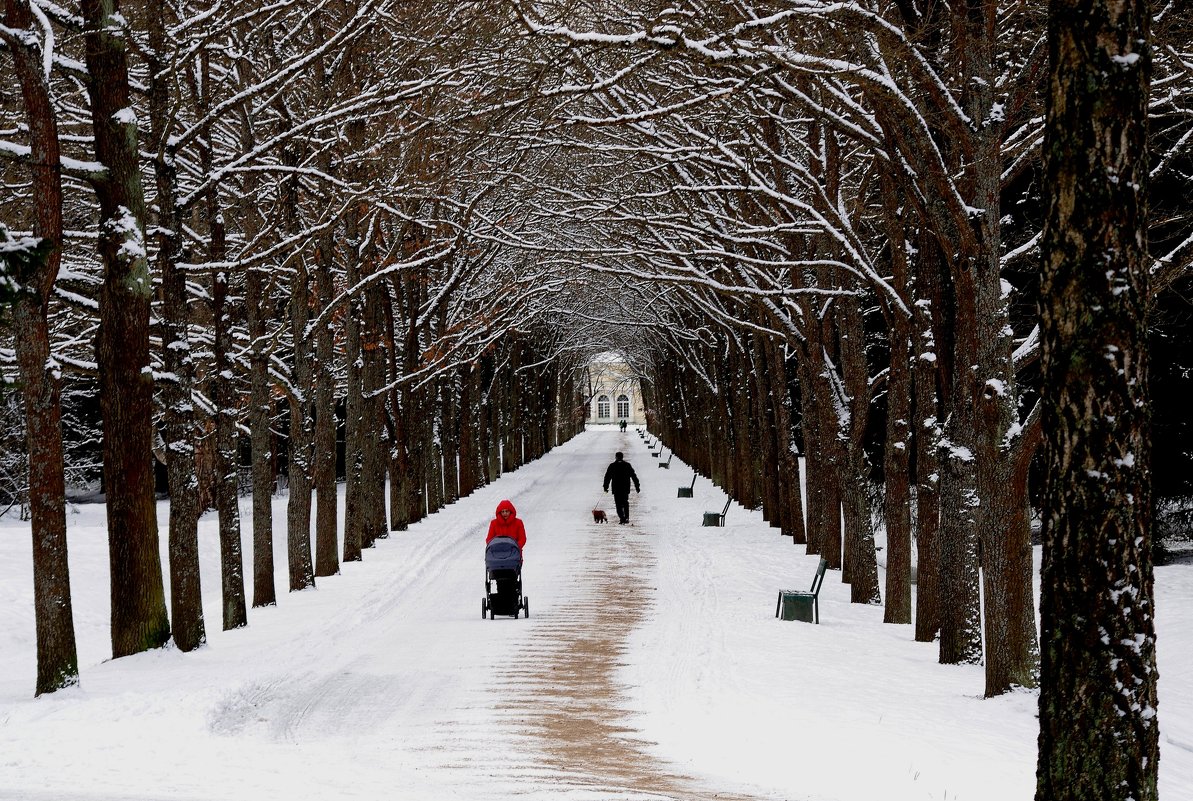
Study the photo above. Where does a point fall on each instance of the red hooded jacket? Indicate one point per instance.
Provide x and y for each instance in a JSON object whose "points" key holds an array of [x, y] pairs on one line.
{"points": [[511, 528]]}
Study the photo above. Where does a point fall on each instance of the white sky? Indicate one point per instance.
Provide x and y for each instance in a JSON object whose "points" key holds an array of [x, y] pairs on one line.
{"points": [[652, 667]]}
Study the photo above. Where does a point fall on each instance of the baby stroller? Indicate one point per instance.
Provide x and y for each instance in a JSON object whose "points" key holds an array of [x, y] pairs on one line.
{"points": [[503, 579]]}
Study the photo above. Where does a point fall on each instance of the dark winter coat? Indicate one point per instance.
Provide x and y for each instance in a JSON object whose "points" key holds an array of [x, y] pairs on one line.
{"points": [[511, 528], [619, 475]]}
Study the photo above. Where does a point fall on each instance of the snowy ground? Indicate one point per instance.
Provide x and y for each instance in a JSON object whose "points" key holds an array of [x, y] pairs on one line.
{"points": [[652, 667]]}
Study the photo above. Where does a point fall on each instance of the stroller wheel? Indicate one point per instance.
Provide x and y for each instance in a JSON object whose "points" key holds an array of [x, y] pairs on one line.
{"points": [[490, 613], [484, 607], [526, 606]]}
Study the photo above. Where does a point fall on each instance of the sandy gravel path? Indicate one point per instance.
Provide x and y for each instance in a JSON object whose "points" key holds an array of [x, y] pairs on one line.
{"points": [[566, 696]]}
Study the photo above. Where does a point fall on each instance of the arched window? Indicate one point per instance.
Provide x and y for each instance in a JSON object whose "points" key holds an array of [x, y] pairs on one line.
{"points": [[603, 407], [623, 406]]}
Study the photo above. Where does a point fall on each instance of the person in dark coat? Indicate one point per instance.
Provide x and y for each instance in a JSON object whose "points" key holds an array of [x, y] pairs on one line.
{"points": [[619, 475]]}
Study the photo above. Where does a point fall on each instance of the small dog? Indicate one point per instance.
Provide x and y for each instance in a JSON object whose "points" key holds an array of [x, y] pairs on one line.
{"points": [[598, 516]]}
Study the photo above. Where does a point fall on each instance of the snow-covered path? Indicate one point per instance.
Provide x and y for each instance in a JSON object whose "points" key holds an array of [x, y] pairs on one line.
{"points": [[385, 677], [651, 668]]}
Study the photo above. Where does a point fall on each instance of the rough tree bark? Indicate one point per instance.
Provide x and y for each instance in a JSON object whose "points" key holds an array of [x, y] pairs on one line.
{"points": [[376, 443], [327, 545], [259, 311], [927, 437], [177, 384], [301, 441], [790, 490], [260, 437], [854, 478], [222, 381], [897, 448], [227, 402], [57, 659], [960, 614], [139, 620], [1002, 528], [1099, 736]]}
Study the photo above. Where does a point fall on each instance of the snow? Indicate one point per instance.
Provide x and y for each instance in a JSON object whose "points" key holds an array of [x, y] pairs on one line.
{"points": [[124, 225], [125, 116], [652, 667]]}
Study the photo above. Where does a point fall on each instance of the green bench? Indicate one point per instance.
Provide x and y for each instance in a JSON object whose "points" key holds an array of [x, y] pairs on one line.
{"points": [[716, 518], [667, 464], [801, 605], [686, 492]]}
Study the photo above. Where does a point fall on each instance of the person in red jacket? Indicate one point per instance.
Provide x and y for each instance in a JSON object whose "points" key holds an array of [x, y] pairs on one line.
{"points": [[506, 523]]}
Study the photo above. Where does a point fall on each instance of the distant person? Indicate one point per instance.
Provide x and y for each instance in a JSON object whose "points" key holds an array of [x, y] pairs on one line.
{"points": [[506, 523], [619, 474], [623, 425]]}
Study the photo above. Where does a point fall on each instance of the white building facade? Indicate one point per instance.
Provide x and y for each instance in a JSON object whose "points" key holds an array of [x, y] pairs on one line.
{"points": [[616, 395]]}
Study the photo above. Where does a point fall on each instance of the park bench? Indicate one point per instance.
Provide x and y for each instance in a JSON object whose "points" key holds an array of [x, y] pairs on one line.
{"points": [[715, 518], [658, 453], [686, 492], [800, 604], [667, 464]]}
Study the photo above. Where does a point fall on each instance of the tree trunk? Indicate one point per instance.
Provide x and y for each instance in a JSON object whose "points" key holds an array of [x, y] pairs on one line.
{"points": [[855, 484], [1012, 650], [744, 487], [960, 619], [299, 472], [259, 310], [353, 402], [261, 438], [822, 446], [327, 546], [467, 435], [790, 491], [177, 383], [57, 658], [449, 434], [376, 442], [814, 453], [769, 433], [227, 402], [1009, 659], [1099, 734], [897, 447], [222, 385], [927, 368], [400, 475], [139, 620]]}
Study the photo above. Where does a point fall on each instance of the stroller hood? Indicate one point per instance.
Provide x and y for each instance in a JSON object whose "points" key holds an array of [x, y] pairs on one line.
{"points": [[502, 553]]}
